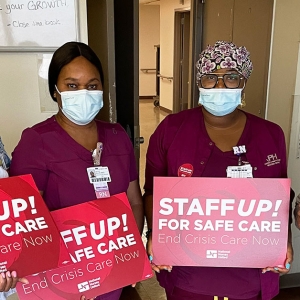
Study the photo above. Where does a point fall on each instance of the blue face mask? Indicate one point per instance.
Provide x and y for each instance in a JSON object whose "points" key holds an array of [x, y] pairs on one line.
{"points": [[82, 106], [220, 102]]}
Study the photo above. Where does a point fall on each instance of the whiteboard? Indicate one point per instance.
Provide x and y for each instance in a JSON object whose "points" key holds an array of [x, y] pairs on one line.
{"points": [[37, 25]]}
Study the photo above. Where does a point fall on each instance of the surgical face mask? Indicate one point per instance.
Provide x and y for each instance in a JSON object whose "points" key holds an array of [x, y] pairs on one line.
{"points": [[220, 102], [82, 106]]}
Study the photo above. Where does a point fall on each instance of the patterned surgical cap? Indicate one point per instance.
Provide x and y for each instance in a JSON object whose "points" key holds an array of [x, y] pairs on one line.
{"points": [[224, 55]]}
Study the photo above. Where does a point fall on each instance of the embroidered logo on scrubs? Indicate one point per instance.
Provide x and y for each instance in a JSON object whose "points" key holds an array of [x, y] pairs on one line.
{"points": [[185, 170], [272, 160]]}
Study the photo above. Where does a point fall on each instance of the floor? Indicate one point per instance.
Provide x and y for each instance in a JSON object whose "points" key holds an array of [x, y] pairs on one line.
{"points": [[150, 117]]}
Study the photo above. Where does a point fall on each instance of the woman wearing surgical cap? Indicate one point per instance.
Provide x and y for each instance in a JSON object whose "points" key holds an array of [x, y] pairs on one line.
{"points": [[204, 138]]}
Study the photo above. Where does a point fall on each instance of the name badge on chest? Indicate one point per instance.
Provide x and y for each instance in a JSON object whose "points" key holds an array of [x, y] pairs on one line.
{"points": [[239, 171], [99, 177], [244, 171]]}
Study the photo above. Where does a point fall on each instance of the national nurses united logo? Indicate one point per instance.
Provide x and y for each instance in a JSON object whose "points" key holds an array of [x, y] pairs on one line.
{"points": [[221, 254], [89, 285], [83, 286], [272, 160], [211, 254]]}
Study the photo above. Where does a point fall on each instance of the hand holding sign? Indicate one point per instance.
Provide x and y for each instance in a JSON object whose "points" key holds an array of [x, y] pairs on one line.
{"points": [[156, 268], [9, 281], [287, 264], [83, 298]]}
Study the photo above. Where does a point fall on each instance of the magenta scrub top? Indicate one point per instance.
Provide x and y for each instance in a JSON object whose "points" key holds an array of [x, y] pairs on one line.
{"points": [[58, 165], [182, 139]]}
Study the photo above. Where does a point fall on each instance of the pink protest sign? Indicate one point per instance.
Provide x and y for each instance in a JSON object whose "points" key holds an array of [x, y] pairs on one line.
{"points": [[224, 222], [105, 246]]}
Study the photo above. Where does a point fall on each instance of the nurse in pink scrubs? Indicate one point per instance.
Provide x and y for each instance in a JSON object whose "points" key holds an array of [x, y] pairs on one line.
{"points": [[204, 139], [62, 151]]}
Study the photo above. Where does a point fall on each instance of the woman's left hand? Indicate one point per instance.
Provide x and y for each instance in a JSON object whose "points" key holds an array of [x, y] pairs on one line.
{"points": [[287, 264]]}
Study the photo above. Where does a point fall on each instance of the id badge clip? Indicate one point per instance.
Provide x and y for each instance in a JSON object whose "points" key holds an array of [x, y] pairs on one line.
{"points": [[99, 176], [96, 155]]}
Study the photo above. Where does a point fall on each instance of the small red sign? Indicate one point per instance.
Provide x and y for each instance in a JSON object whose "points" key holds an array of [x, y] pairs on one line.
{"points": [[27, 229]]}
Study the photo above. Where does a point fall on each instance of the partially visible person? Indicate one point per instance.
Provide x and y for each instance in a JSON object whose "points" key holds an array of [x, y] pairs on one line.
{"points": [[62, 151], [297, 212], [8, 280], [4, 161], [205, 138]]}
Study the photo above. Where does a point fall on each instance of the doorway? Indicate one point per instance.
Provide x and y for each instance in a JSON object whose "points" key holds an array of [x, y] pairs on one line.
{"points": [[246, 23], [113, 35]]}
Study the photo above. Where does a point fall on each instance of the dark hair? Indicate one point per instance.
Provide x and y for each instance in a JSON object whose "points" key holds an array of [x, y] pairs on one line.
{"points": [[64, 55]]}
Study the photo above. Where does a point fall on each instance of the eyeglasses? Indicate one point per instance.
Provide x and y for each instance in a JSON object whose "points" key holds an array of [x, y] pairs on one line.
{"points": [[231, 81]]}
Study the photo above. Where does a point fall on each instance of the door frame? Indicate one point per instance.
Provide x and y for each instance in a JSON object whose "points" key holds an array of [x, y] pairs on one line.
{"points": [[126, 22], [177, 80], [196, 46]]}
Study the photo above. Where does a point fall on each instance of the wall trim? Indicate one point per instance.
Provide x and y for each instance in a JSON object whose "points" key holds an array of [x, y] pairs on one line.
{"points": [[166, 110], [146, 97], [290, 281]]}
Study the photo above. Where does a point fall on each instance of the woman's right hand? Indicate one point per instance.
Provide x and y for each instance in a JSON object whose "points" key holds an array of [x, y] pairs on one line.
{"points": [[156, 268], [9, 280], [84, 298]]}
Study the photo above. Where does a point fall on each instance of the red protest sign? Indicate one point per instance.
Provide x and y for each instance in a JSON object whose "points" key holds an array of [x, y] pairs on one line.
{"points": [[224, 222], [106, 248], [27, 229]]}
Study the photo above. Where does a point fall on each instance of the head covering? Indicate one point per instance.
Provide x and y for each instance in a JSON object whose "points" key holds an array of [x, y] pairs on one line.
{"points": [[224, 55]]}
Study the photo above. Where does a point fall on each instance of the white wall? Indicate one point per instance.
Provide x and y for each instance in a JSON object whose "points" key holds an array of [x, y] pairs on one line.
{"points": [[284, 91], [284, 57], [19, 90], [294, 161], [167, 14], [149, 21]]}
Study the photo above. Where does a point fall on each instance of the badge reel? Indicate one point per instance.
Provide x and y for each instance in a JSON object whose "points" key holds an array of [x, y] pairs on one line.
{"points": [[2, 161], [99, 176], [239, 171]]}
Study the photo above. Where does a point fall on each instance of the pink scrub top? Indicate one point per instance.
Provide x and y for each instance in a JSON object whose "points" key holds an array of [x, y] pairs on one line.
{"points": [[58, 163], [182, 139]]}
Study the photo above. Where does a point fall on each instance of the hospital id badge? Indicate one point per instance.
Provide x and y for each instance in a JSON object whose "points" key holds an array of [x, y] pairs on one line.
{"points": [[244, 171], [98, 174], [101, 189]]}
